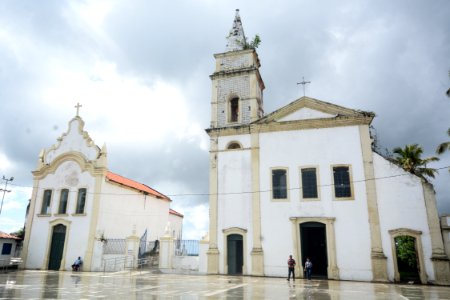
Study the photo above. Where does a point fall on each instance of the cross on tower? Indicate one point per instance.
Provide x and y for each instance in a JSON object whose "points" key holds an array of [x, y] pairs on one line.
{"points": [[304, 83], [78, 108]]}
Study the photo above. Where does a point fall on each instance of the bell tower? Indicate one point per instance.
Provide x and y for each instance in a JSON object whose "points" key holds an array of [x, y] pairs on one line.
{"points": [[237, 86]]}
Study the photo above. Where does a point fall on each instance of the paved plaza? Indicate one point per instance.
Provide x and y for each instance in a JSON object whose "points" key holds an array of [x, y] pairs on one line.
{"points": [[146, 285]]}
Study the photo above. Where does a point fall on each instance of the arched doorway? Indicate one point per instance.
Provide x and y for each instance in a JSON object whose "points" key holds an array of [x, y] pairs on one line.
{"points": [[407, 259], [235, 256], [57, 247], [314, 245]]}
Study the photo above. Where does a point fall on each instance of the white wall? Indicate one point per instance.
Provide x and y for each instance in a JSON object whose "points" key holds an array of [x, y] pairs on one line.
{"points": [[295, 149], [123, 210], [68, 175], [401, 205]]}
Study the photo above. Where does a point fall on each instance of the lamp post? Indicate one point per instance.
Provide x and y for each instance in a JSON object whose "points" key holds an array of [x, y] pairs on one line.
{"points": [[5, 190]]}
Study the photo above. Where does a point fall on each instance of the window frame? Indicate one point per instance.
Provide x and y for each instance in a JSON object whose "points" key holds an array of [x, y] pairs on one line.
{"points": [[350, 178], [231, 143], [316, 168], [78, 201], [60, 202], [48, 210], [272, 190]]}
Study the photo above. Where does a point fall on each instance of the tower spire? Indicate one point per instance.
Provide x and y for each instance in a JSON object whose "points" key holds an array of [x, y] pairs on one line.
{"points": [[236, 37]]}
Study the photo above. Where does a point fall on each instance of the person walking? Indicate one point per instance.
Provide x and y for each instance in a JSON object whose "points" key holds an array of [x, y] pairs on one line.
{"points": [[291, 268], [308, 268]]}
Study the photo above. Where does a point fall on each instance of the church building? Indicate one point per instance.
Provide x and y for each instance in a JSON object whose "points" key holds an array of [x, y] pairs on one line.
{"points": [[304, 180], [79, 208]]}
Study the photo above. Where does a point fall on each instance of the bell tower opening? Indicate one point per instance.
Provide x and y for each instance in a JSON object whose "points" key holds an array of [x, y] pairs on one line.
{"points": [[234, 109]]}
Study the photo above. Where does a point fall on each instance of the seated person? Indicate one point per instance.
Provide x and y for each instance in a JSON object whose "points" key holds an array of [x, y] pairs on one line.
{"points": [[76, 265]]}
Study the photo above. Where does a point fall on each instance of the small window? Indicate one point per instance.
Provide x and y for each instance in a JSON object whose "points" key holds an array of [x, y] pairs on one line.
{"points": [[342, 187], [6, 250], [46, 200], [309, 183], [234, 109], [63, 201], [81, 201], [234, 145], [279, 184]]}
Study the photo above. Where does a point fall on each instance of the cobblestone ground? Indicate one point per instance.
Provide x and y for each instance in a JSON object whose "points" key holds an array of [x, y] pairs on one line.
{"points": [[145, 285]]}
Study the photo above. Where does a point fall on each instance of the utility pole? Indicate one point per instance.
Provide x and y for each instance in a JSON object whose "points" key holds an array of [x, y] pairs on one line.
{"points": [[5, 190]]}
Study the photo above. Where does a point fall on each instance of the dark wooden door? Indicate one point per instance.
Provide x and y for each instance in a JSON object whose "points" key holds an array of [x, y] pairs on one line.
{"points": [[235, 254], [57, 247]]}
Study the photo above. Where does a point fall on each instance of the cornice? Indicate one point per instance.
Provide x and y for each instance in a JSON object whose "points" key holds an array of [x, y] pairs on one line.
{"points": [[234, 72], [273, 126]]}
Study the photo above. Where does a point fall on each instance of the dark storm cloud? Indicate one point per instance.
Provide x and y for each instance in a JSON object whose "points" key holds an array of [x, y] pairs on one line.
{"points": [[390, 57]]}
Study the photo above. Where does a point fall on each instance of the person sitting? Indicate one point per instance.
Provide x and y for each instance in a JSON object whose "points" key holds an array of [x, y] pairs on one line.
{"points": [[77, 264]]}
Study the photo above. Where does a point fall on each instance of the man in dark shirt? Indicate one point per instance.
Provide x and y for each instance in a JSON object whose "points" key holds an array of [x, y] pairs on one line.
{"points": [[291, 267]]}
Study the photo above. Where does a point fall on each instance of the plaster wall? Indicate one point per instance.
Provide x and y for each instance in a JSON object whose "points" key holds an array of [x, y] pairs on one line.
{"points": [[293, 150], [73, 141], [68, 175], [234, 199], [123, 210], [401, 205], [305, 114]]}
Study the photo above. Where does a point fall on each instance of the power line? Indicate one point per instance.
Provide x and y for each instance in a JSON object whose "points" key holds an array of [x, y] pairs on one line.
{"points": [[240, 193]]}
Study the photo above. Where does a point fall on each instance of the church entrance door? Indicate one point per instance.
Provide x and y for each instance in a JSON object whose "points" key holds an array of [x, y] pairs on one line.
{"points": [[314, 245], [57, 247], [234, 254]]}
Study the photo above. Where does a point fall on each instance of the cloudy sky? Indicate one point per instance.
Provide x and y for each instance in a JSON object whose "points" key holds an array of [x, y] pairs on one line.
{"points": [[141, 71]]}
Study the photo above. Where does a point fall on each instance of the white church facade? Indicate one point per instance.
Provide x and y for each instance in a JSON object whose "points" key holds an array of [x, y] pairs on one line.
{"points": [[78, 205], [304, 180]]}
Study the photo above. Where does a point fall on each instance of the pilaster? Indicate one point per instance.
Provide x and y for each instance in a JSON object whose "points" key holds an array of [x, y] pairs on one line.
{"points": [[439, 259], [379, 260]]}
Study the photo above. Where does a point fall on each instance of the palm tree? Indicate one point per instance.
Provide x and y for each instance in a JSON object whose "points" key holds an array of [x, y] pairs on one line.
{"points": [[409, 158], [444, 146]]}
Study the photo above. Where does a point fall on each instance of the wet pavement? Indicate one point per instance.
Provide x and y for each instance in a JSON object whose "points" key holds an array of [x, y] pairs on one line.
{"points": [[146, 285]]}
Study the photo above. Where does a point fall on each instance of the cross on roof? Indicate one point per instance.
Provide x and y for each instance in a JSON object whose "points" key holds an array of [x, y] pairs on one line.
{"points": [[304, 83], [78, 108]]}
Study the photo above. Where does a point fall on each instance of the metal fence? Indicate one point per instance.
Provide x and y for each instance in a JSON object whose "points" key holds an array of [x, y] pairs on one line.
{"points": [[186, 247], [115, 246]]}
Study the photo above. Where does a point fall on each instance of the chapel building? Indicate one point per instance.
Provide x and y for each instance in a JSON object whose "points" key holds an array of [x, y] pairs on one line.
{"points": [[80, 208], [304, 180]]}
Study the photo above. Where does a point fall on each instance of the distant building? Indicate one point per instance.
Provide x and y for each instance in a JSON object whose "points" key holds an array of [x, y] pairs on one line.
{"points": [[304, 180], [79, 208], [8, 246]]}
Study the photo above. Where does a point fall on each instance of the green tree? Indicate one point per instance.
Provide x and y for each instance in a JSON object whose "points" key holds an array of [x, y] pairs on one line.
{"points": [[409, 158], [253, 44], [406, 250]]}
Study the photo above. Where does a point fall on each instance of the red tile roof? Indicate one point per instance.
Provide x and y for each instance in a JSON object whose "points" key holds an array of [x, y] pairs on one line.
{"points": [[4, 235], [173, 212], [135, 185]]}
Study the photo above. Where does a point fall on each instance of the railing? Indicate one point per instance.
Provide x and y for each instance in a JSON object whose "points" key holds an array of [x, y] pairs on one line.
{"points": [[186, 247], [114, 246], [120, 263]]}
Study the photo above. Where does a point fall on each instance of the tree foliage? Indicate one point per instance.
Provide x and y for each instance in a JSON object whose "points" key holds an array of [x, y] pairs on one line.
{"points": [[253, 44], [410, 159], [406, 250]]}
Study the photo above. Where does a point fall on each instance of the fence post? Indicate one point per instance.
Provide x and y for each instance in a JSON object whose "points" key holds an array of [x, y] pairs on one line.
{"points": [[166, 252], [132, 248], [202, 257]]}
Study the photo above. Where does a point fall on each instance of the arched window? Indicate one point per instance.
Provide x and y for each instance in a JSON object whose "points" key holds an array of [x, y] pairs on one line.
{"points": [[234, 145], [234, 109]]}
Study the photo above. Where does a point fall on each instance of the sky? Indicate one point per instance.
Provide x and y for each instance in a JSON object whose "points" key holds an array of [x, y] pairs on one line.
{"points": [[140, 69]]}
